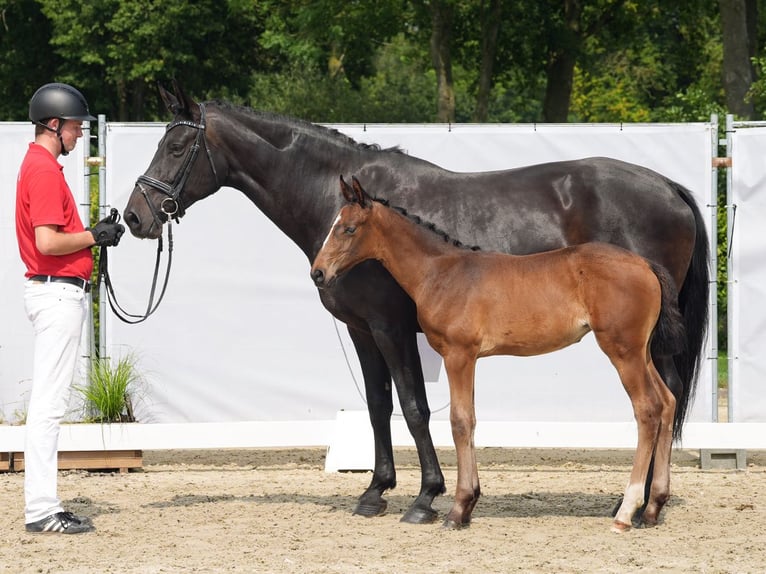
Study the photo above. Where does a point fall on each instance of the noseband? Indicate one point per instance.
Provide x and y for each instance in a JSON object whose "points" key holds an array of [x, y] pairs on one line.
{"points": [[171, 205]]}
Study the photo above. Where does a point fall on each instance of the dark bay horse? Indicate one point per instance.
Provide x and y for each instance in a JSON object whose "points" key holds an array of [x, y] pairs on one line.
{"points": [[289, 169], [473, 304]]}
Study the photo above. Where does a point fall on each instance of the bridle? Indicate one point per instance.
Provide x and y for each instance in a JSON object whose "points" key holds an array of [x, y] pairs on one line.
{"points": [[171, 207]]}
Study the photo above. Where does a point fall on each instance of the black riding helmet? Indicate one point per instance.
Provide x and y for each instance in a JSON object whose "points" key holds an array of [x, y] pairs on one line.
{"points": [[61, 101]]}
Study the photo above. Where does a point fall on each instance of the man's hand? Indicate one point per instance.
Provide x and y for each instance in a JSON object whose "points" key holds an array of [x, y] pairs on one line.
{"points": [[107, 232]]}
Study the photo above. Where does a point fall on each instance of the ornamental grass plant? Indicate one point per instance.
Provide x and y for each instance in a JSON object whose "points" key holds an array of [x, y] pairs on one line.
{"points": [[108, 395]]}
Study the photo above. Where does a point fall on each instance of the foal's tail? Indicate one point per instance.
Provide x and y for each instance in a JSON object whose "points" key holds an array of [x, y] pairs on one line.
{"points": [[669, 337]]}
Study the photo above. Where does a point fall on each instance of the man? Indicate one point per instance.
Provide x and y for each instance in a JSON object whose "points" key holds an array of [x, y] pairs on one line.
{"points": [[55, 247]]}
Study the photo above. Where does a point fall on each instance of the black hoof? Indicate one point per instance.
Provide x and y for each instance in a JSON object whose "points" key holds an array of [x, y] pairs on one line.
{"points": [[418, 515], [371, 509]]}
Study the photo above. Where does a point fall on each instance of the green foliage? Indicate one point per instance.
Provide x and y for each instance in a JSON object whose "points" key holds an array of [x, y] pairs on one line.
{"points": [[26, 62], [116, 51], [107, 396]]}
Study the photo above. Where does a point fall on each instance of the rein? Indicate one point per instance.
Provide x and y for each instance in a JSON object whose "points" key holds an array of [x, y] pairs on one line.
{"points": [[103, 274], [171, 207]]}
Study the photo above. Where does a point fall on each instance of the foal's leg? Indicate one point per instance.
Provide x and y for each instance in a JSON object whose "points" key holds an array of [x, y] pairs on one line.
{"points": [[660, 484], [640, 386], [460, 370], [670, 380]]}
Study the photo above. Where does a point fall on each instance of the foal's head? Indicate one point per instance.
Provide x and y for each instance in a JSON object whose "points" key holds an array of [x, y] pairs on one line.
{"points": [[348, 242]]}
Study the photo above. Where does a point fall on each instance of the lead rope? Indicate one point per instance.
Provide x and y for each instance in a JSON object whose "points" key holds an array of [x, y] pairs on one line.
{"points": [[103, 274]]}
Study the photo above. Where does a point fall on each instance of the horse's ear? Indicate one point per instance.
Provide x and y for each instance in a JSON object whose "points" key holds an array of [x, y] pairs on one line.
{"points": [[170, 100], [346, 190], [177, 102], [186, 104]]}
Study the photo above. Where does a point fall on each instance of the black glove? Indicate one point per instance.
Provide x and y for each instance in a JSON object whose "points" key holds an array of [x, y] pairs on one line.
{"points": [[107, 232]]}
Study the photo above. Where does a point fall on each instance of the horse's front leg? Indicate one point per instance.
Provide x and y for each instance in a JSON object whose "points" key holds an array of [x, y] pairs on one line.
{"points": [[377, 384], [460, 371], [398, 345]]}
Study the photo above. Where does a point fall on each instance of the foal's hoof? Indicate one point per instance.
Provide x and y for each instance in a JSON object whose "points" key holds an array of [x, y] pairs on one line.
{"points": [[620, 527], [371, 509], [647, 521], [449, 524], [419, 515]]}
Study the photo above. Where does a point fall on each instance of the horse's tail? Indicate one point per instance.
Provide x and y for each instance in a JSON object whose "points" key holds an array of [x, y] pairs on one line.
{"points": [[694, 305]]}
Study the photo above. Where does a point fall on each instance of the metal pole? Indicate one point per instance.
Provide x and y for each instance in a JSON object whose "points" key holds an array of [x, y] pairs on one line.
{"points": [[85, 216], [730, 210], [102, 314], [713, 295]]}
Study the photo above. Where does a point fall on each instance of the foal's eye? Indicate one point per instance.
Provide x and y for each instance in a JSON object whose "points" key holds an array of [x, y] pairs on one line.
{"points": [[350, 230]]}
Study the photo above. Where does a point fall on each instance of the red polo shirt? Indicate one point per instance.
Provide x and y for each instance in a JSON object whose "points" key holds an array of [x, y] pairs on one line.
{"points": [[44, 198]]}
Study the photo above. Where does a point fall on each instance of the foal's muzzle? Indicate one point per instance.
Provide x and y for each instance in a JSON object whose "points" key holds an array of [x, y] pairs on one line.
{"points": [[319, 278]]}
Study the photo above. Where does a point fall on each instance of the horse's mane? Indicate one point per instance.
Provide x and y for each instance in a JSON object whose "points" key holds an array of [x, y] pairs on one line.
{"points": [[304, 125], [427, 224]]}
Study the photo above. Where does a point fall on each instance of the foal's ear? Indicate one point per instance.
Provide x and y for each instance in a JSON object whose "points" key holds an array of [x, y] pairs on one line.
{"points": [[361, 195], [345, 189]]}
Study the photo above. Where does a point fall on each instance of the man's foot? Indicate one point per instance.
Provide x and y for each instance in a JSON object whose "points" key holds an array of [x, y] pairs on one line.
{"points": [[62, 523]]}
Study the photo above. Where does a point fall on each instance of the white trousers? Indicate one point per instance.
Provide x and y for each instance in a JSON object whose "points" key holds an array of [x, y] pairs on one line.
{"points": [[57, 312]]}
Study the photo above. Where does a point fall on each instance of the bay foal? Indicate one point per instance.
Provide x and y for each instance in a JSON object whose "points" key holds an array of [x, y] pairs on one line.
{"points": [[473, 304]]}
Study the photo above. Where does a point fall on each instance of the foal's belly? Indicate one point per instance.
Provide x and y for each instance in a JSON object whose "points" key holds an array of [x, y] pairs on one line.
{"points": [[531, 339]]}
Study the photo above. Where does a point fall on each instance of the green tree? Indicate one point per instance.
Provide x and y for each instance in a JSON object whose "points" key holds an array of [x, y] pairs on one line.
{"points": [[118, 49], [27, 63]]}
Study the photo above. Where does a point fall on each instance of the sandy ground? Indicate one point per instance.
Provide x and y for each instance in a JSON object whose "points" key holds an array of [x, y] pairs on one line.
{"points": [[278, 511]]}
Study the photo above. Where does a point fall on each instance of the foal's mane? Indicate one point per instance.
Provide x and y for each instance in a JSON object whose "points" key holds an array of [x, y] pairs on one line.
{"points": [[427, 224], [319, 130]]}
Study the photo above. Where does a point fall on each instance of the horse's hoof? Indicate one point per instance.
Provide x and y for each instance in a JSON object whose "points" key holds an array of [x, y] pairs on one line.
{"points": [[370, 509], [620, 527], [418, 515]]}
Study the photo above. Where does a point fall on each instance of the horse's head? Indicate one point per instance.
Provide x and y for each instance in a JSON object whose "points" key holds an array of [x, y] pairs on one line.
{"points": [[348, 241], [176, 177]]}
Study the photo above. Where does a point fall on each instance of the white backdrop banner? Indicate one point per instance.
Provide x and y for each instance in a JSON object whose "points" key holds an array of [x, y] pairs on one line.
{"points": [[16, 334], [241, 334], [747, 277]]}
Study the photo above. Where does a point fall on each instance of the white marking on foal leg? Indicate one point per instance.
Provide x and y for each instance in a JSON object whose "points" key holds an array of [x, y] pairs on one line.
{"points": [[632, 501]]}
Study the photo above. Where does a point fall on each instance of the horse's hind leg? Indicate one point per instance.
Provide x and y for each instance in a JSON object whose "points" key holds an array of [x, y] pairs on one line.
{"points": [[660, 484]]}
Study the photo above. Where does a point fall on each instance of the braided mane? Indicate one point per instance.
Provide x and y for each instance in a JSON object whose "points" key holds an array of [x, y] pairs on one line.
{"points": [[427, 224]]}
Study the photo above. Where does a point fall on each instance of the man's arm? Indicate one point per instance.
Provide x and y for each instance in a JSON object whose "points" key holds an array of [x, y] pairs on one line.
{"points": [[51, 241]]}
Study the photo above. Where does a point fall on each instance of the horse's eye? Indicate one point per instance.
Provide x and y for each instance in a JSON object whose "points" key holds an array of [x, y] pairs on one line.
{"points": [[350, 230], [176, 149]]}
